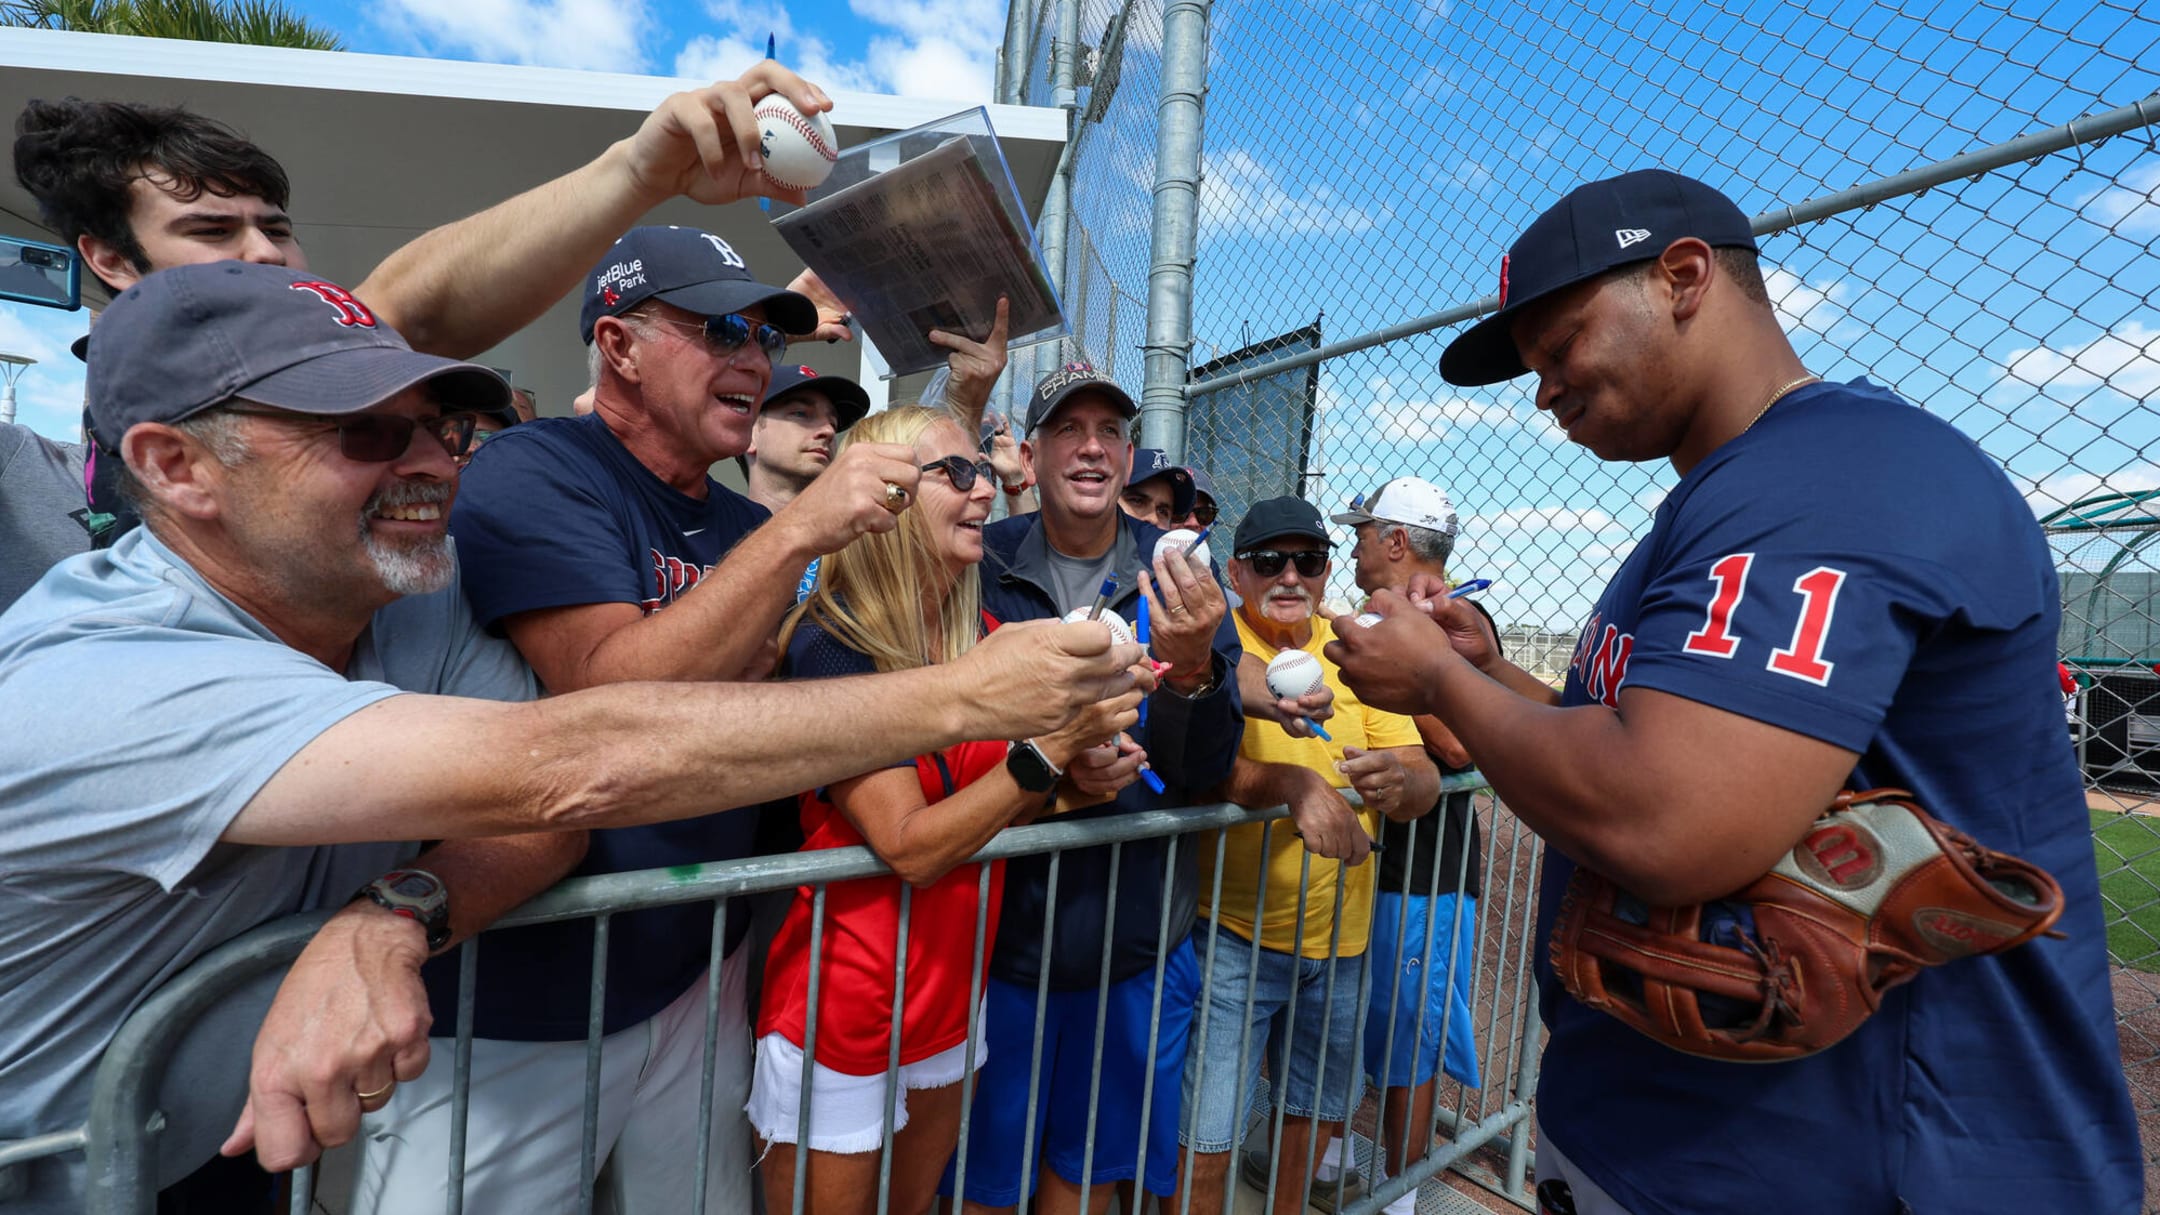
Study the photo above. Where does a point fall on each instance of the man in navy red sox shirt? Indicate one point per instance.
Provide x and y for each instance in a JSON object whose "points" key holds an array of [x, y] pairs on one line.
{"points": [[1841, 592]]}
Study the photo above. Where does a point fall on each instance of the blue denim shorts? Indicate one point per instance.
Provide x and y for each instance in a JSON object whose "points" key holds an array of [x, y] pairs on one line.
{"points": [[1313, 1064]]}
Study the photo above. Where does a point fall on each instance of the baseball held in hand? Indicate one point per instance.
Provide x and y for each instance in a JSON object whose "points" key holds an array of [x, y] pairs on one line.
{"points": [[799, 149], [1120, 632], [1294, 673], [1181, 539]]}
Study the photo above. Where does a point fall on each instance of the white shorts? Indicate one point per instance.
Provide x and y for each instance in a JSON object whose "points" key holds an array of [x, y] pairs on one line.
{"points": [[847, 1113]]}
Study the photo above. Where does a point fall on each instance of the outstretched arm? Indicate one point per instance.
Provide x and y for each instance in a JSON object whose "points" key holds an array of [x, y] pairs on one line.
{"points": [[463, 287]]}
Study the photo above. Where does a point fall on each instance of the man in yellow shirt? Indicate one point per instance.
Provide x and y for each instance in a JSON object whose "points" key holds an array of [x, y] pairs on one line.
{"points": [[1282, 941]]}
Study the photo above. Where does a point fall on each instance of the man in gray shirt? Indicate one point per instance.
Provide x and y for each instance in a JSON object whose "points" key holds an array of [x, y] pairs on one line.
{"points": [[42, 511], [264, 633]]}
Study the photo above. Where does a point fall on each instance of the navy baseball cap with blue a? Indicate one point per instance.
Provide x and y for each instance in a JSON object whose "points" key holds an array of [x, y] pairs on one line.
{"points": [[691, 269], [184, 340], [1148, 463], [1599, 226]]}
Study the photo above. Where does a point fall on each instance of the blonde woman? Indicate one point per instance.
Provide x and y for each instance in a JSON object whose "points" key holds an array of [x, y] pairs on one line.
{"points": [[891, 601]]}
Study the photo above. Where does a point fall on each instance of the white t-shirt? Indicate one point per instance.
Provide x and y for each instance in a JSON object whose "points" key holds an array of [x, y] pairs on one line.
{"points": [[141, 711]]}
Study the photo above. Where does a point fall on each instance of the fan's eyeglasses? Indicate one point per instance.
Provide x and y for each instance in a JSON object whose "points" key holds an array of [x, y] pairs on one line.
{"points": [[378, 438], [962, 472], [1269, 562], [727, 334], [1203, 510]]}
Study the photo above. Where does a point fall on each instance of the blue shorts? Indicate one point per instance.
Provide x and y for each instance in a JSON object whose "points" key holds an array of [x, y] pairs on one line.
{"points": [[998, 1130], [1416, 996], [1320, 1074]]}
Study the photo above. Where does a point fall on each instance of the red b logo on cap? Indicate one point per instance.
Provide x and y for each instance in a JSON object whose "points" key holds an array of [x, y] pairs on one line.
{"points": [[1503, 280], [349, 309]]}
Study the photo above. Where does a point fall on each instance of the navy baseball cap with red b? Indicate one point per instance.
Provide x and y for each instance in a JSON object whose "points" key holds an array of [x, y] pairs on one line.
{"points": [[849, 401], [185, 340], [1597, 227], [691, 269]]}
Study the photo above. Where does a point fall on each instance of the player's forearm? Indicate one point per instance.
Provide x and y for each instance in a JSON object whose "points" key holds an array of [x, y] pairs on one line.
{"points": [[461, 288]]}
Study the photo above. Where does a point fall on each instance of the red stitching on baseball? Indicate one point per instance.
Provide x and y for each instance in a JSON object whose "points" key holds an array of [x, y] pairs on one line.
{"points": [[808, 132]]}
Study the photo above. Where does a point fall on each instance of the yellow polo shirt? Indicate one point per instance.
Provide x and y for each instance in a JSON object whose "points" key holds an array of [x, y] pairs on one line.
{"points": [[1355, 724]]}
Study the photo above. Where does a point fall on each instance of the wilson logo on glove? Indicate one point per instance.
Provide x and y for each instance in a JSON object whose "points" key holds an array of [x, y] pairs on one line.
{"points": [[1878, 891]]}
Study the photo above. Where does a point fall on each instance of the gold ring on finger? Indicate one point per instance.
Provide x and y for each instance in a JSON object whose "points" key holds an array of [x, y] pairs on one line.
{"points": [[378, 1094], [895, 498]]}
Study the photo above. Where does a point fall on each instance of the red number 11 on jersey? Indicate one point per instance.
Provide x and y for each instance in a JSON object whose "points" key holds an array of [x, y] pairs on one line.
{"points": [[1802, 658]]}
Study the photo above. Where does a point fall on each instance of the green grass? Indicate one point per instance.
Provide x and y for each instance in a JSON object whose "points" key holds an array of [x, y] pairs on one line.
{"points": [[2127, 849]]}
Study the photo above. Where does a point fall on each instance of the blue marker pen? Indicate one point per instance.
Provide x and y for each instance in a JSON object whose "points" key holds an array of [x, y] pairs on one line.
{"points": [[1471, 587], [1141, 626]]}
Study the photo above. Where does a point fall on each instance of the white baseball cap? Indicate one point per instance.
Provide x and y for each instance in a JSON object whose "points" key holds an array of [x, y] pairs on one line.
{"points": [[1411, 501]]}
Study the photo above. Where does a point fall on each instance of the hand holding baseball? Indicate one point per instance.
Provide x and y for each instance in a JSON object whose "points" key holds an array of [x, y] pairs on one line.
{"points": [[1029, 678], [1389, 664], [705, 143], [1185, 607]]}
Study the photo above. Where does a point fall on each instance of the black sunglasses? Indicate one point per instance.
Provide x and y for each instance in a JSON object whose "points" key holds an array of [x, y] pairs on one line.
{"points": [[961, 471], [1269, 562], [377, 438], [1203, 510], [726, 334]]}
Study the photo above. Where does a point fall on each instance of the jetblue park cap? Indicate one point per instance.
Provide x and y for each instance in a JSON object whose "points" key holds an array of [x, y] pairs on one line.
{"points": [[1148, 463], [695, 271], [1067, 382], [849, 401], [1272, 518], [1624, 219], [183, 340], [1411, 501]]}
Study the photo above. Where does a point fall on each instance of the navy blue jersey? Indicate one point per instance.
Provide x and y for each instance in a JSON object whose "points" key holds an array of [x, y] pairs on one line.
{"points": [[1855, 570], [556, 513]]}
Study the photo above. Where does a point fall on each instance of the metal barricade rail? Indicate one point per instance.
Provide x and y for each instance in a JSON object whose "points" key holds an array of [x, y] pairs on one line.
{"points": [[120, 1135]]}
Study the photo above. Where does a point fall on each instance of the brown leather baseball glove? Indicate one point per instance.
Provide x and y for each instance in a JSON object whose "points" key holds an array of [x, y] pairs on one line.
{"points": [[1877, 891]]}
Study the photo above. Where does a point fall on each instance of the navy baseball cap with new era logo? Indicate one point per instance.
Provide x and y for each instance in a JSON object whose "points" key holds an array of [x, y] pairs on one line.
{"points": [[1615, 222], [693, 270], [191, 338]]}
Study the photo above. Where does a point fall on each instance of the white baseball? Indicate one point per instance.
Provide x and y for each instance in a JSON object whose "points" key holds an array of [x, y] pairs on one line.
{"points": [[1294, 673], [1183, 538], [799, 149], [1119, 630]]}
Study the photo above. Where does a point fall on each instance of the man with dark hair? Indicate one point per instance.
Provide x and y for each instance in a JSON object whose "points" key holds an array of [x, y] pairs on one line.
{"points": [[1156, 490], [1841, 593]]}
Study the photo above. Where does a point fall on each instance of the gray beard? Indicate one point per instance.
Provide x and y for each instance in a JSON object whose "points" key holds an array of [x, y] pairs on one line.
{"points": [[419, 570]]}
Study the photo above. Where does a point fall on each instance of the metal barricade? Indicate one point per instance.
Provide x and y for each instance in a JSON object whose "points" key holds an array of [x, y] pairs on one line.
{"points": [[121, 1133]]}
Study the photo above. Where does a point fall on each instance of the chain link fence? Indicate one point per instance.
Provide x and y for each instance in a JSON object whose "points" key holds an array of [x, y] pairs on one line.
{"points": [[1970, 199]]}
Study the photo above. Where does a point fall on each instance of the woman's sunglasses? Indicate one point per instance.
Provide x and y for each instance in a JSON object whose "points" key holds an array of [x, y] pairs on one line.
{"points": [[961, 471], [1269, 562], [377, 438], [726, 334]]}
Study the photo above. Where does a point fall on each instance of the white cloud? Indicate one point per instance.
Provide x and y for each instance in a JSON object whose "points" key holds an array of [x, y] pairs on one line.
{"points": [[1422, 420], [599, 35], [2063, 489], [2130, 206], [918, 48], [1239, 193], [1544, 519], [1801, 304], [2127, 361]]}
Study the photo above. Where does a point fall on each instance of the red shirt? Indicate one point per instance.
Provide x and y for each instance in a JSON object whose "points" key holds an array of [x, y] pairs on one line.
{"points": [[862, 923]]}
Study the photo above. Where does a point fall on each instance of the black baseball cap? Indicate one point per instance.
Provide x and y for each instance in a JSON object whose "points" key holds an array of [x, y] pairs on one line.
{"points": [[1067, 382], [1614, 222], [693, 270], [1149, 463], [848, 399], [1273, 518], [183, 340]]}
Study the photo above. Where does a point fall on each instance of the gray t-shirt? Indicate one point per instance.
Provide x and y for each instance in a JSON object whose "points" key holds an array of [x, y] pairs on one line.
{"points": [[144, 710], [42, 507], [1077, 581]]}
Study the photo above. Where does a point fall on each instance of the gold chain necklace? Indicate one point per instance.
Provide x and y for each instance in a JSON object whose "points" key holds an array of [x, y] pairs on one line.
{"points": [[1777, 396]]}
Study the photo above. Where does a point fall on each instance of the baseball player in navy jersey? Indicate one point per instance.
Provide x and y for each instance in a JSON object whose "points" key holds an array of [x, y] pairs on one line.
{"points": [[1842, 591]]}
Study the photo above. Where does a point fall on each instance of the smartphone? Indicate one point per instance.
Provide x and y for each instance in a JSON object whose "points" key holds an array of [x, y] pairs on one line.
{"points": [[32, 272]]}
